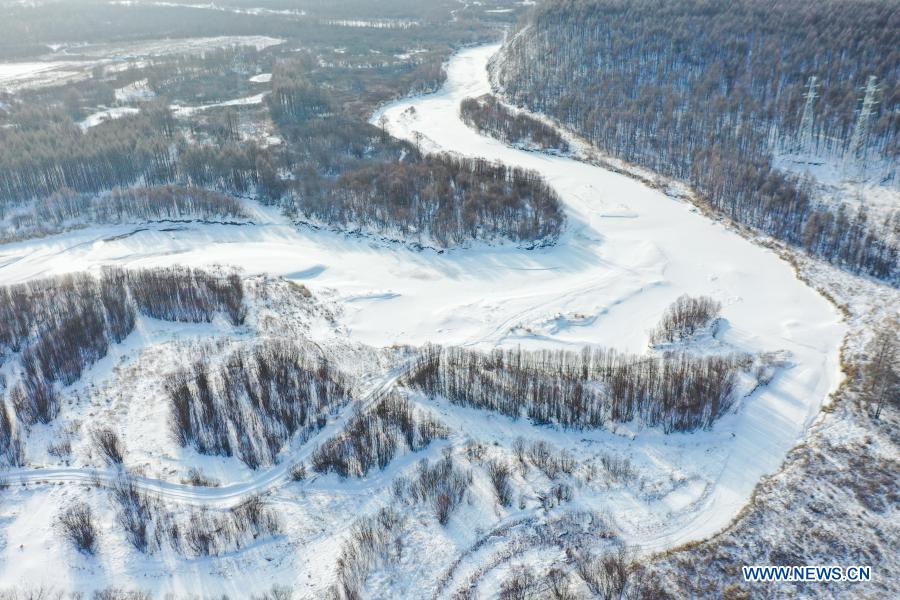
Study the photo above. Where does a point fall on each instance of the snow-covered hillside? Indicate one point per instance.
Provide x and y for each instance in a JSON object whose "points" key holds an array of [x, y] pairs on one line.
{"points": [[628, 252]]}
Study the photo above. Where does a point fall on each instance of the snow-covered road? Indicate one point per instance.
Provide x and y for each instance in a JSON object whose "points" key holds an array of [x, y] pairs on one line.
{"points": [[264, 479], [607, 282]]}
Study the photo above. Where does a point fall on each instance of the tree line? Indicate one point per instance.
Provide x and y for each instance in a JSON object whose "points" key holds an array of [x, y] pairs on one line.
{"points": [[707, 92], [677, 392], [441, 199], [488, 115], [66, 209]]}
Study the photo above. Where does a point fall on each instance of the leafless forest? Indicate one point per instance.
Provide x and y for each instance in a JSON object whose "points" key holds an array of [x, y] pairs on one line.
{"points": [[678, 392], [706, 92]]}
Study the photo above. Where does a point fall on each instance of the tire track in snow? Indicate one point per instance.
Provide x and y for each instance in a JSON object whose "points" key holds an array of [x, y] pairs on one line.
{"points": [[223, 496]]}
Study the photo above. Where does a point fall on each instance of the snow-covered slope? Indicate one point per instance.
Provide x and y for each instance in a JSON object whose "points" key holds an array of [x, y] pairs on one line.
{"points": [[627, 253]]}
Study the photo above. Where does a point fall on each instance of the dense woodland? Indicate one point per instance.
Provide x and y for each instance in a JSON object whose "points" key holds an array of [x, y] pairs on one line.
{"points": [[327, 166], [708, 91], [488, 115], [254, 402], [440, 200], [678, 392], [56, 328], [46, 152], [349, 174]]}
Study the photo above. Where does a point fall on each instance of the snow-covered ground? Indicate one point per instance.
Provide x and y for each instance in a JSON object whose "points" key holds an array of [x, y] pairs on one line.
{"points": [[16, 75], [107, 114], [836, 181], [136, 91], [75, 62], [606, 282], [219, 8], [186, 111]]}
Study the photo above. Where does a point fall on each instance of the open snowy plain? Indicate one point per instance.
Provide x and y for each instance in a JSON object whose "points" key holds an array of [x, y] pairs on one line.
{"points": [[627, 252]]}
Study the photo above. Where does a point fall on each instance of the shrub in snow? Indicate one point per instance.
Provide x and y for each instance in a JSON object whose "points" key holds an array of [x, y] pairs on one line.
{"points": [[77, 524], [136, 512], [606, 575], [499, 473], [12, 452], [277, 592], [198, 478], [374, 541], [298, 472], [443, 485], [149, 524], [107, 444], [520, 584], [206, 533], [112, 593], [685, 317]]}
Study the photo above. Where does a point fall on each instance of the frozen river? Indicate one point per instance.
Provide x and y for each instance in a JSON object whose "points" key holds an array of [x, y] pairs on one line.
{"points": [[628, 251]]}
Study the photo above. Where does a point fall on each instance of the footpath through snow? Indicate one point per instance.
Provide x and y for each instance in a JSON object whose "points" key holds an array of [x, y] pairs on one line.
{"points": [[607, 282]]}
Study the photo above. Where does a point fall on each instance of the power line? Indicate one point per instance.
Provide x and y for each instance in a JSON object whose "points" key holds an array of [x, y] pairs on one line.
{"points": [[861, 131]]}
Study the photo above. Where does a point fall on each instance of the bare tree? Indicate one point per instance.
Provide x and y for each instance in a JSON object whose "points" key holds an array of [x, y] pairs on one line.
{"points": [[108, 445], [882, 373], [521, 584], [499, 473], [77, 525], [607, 575]]}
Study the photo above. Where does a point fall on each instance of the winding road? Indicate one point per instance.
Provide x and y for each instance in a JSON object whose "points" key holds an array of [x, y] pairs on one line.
{"points": [[264, 480]]}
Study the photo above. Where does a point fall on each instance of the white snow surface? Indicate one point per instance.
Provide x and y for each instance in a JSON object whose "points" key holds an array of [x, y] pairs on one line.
{"points": [[185, 111], [107, 114], [606, 282], [15, 76]]}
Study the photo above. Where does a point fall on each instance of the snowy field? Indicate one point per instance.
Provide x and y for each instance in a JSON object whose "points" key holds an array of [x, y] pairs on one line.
{"points": [[18, 75], [75, 62], [628, 251]]}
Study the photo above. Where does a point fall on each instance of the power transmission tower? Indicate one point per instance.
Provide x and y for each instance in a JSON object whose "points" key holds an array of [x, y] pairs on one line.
{"points": [[861, 131], [805, 145]]}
